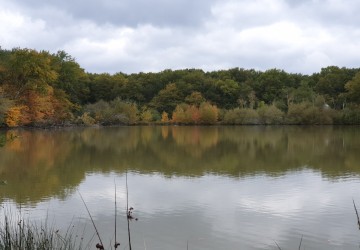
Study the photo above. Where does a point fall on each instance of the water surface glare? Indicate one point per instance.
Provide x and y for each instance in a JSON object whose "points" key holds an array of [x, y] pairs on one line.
{"points": [[208, 187]]}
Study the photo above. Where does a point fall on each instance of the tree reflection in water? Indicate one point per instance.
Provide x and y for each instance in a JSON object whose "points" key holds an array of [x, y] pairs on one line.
{"points": [[38, 164]]}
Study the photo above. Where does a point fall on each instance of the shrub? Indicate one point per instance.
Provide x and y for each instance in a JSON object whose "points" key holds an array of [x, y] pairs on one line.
{"points": [[306, 113], [270, 115], [146, 116], [86, 119], [350, 115], [242, 116]]}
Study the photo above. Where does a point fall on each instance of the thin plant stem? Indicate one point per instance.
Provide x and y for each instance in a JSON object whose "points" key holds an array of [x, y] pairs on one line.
{"points": [[277, 245], [97, 232], [127, 210], [301, 241], [357, 214], [116, 243]]}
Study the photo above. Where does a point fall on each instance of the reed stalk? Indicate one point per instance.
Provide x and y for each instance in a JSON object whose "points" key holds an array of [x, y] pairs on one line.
{"points": [[17, 233], [357, 214], [116, 243], [127, 210], [98, 245]]}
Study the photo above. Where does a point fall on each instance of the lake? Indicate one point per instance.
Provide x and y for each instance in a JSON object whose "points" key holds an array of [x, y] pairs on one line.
{"points": [[245, 187]]}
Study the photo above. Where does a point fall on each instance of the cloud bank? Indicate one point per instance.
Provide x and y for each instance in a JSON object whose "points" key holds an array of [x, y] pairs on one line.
{"points": [[141, 36]]}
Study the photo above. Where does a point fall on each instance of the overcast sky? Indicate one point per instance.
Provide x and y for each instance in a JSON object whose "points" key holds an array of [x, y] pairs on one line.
{"points": [[131, 36]]}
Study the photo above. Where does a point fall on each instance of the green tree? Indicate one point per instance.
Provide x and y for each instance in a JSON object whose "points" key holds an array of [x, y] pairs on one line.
{"points": [[353, 89], [270, 84], [195, 98], [167, 99], [133, 89], [331, 84], [229, 90], [71, 78], [28, 69], [100, 87], [304, 93]]}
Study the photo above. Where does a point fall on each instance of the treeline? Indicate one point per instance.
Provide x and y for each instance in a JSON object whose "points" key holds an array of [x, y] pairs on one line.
{"points": [[38, 88]]}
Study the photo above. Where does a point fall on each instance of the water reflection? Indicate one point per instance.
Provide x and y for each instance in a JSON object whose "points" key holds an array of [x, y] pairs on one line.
{"points": [[41, 163], [216, 187], [216, 212]]}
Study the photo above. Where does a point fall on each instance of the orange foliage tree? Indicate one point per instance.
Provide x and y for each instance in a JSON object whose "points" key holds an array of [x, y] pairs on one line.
{"points": [[194, 113], [27, 82], [15, 117], [190, 114]]}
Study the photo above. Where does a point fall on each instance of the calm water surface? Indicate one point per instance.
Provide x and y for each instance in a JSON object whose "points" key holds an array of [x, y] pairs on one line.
{"points": [[208, 187]]}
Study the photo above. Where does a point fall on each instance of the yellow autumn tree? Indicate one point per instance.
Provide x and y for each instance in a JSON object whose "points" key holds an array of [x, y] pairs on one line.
{"points": [[179, 115], [146, 115], [164, 117], [208, 113]]}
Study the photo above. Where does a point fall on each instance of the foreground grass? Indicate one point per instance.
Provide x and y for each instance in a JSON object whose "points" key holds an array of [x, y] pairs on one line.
{"points": [[20, 234]]}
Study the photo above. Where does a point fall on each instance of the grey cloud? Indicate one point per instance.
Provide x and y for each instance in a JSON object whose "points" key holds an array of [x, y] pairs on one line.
{"points": [[141, 35], [329, 13], [129, 13]]}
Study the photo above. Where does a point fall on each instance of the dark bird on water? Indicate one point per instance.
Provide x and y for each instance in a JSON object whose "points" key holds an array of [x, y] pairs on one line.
{"points": [[99, 246]]}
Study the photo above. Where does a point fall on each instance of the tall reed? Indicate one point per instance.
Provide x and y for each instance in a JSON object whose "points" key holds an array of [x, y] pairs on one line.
{"points": [[17, 233]]}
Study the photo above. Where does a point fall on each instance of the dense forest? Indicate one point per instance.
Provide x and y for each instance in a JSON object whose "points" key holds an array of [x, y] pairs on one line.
{"points": [[38, 88]]}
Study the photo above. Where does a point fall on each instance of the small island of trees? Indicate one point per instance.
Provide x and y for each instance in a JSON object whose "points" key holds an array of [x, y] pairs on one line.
{"points": [[38, 88]]}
